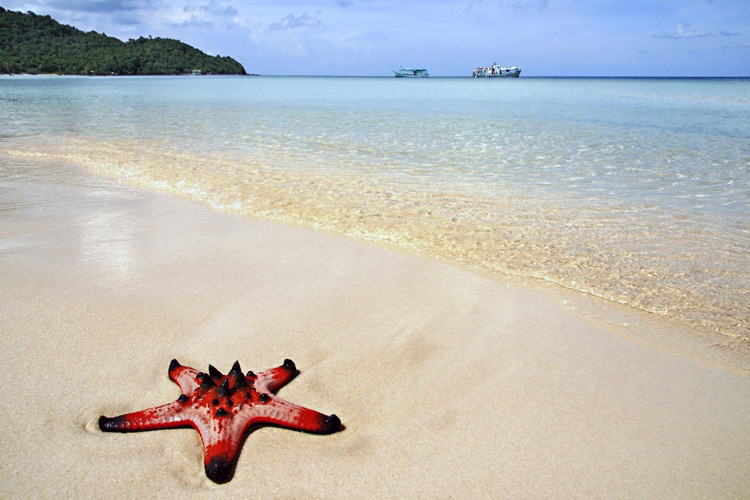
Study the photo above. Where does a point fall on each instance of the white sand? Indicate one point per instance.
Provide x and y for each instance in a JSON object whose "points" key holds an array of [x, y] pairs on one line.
{"points": [[450, 385]]}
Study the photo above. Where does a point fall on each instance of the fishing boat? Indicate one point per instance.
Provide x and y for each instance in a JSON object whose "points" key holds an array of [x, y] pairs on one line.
{"points": [[411, 73], [497, 71]]}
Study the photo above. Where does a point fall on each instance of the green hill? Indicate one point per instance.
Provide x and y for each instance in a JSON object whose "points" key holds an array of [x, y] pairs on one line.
{"points": [[38, 44]]}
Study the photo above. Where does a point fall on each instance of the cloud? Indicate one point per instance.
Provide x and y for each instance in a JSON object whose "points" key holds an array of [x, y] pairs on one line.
{"points": [[527, 4], [290, 22], [512, 4], [193, 22], [727, 33], [126, 20], [203, 15], [213, 7], [98, 6], [745, 45], [683, 30], [347, 3], [217, 8]]}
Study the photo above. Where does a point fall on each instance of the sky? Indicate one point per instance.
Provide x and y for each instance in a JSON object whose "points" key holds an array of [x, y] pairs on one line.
{"points": [[449, 38]]}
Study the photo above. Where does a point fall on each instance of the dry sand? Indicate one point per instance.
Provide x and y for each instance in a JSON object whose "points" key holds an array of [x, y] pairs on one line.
{"points": [[450, 385]]}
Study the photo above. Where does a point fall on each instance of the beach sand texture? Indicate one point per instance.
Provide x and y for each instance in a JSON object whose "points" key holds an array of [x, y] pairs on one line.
{"points": [[449, 384]]}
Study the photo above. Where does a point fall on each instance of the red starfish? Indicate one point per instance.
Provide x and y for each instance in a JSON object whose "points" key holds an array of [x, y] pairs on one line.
{"points": [[221, 408]]}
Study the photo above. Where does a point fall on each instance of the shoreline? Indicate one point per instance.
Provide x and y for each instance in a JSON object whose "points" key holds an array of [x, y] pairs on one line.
{"points": [[527, 241], [444, 379]]}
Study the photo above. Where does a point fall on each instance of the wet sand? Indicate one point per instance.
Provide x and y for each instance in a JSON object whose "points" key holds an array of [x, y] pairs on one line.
{"points": [[449, 384]]}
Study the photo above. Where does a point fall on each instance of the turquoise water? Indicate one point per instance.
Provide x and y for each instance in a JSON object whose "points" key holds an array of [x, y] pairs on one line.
{"points": [[633, 190]]}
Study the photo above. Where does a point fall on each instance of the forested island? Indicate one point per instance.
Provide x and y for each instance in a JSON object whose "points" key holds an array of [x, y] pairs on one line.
{"points": [[30, 43]]}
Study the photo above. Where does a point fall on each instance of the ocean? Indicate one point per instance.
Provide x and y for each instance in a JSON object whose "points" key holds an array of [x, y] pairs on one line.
{"points": [[633, 191]]}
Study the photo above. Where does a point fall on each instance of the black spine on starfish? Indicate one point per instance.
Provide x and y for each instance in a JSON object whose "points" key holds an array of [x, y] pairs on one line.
{"points": [[240, 381], [215, 374], [206, 381], [236, 374], [235, 369], [223, 390]]}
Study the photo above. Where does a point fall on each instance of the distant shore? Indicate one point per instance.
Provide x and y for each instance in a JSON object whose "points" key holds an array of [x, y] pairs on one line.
{"points": [[30, 43]]}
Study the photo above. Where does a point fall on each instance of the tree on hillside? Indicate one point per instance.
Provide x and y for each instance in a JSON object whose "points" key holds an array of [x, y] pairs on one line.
{"points": [[30, 43]]}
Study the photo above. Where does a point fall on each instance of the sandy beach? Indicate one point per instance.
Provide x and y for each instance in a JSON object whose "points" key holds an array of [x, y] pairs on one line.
{"points": [[449, 384]]}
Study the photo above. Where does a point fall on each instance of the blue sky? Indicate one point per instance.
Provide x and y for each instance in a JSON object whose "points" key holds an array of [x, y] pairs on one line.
{"points": [[449, 38]]}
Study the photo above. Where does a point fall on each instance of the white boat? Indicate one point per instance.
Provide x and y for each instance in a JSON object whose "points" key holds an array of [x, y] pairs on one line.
{"points": [[411, 73], [496, 71]]}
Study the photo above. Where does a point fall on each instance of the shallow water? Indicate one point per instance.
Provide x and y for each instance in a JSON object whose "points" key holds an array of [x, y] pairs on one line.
{"points": [[634, 190]]}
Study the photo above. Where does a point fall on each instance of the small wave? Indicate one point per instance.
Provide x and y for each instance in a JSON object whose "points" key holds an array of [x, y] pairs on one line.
{"points": [[637, 256]]}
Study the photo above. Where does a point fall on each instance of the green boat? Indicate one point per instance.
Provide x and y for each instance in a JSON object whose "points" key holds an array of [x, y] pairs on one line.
{"points": [[411, 73]]}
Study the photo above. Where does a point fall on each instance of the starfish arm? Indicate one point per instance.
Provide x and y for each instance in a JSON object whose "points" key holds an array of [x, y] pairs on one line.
{"points": [[221, 448], [285, 414], [184, 376], [275, 378], [222, 439], [166, 416]]}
